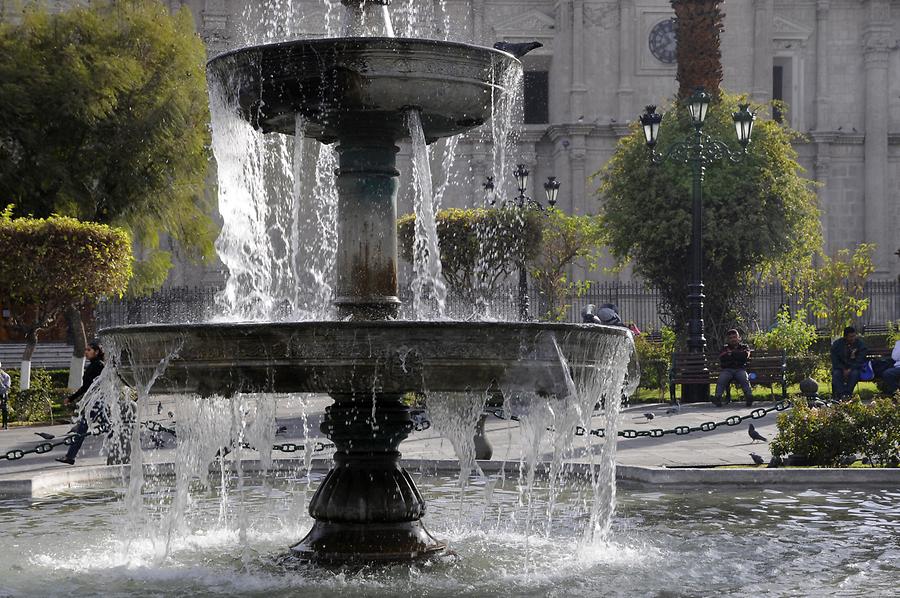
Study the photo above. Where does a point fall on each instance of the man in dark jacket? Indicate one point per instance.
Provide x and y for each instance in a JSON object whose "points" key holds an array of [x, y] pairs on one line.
{"points": [[733, 359], [848, 355]]}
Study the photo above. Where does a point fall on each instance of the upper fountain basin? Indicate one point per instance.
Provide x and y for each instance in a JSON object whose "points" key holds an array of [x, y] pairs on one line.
{"points": [[365, 357], [343, 86]]}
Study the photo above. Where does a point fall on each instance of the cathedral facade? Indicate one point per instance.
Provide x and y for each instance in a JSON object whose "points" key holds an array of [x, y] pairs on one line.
{"points": [[835, 63]]}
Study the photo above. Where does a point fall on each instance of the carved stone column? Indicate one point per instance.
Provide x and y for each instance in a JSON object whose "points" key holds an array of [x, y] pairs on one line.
{"points": [[764, 15], [478, 22], [876, 47], [823, 8], [579, 89], [625, 92]]}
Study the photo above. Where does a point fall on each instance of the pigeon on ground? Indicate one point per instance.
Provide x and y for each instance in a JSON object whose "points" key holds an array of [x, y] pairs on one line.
{"points": [[757, 459], [676, 408], [45, 435], [649, 416], [755, 435], [159, 408], [518, 50]]}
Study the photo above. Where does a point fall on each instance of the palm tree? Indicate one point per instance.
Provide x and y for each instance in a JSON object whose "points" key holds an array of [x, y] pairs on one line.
{"points": [[698, 25]]}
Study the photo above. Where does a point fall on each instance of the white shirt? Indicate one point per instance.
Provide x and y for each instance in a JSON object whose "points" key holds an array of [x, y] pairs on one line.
{"points": [[895, 354], [6, 382]]}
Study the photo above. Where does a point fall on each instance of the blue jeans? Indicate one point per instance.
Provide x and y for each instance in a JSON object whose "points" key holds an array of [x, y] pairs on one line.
{"points": [[891, 377], [737, 374], [843, 387]]}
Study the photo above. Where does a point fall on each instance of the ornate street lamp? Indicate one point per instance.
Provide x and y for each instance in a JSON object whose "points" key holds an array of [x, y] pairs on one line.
{"points": [[523, 202], [551, 188], [699, 150]]}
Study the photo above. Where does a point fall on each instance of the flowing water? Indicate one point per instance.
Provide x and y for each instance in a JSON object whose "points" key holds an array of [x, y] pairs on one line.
{"points": [[664, 543]]}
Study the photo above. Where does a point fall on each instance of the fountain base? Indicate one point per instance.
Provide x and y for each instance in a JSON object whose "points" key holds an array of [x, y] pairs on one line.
{"points": [[368, 507], [329, 542]]}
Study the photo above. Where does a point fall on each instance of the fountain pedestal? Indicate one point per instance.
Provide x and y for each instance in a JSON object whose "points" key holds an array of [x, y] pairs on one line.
{"points": [[368, 507]]}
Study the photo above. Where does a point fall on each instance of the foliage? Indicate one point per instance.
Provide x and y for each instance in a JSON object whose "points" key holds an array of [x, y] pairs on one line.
{"points": [[809, 365], [478, 245], [51, 263], [893, 331], [698, 25], [566, 240], [831, 436], [35, 403], [760, 216], [654, 358], [106, 119], [791, 334], [838, 287]]}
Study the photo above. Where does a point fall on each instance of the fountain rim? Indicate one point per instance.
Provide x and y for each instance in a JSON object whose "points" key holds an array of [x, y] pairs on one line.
{"points": [[359, 325], [372, 41]]}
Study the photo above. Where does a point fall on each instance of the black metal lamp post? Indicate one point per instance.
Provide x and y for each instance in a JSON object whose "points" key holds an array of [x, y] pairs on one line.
{"points": [[699, 150], [522, 201]]}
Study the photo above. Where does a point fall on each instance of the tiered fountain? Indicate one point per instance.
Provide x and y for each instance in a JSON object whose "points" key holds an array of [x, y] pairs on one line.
{"points": [[359, 93]]}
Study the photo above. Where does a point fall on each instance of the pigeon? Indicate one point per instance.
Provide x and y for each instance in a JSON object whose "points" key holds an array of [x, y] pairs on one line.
{"points": [[755, 435], [649, 416], [159, 408], [757, 459], [171, 415], [45, 435], [280, 430], [518, 50]]}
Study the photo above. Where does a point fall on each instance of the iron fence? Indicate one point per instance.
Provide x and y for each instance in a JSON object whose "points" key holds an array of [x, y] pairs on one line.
{"points": [[637, 302]]}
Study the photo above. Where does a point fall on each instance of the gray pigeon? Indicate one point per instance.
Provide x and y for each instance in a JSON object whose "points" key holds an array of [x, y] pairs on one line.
{"points": [[755, 435], [757, 459], [45, 435], [518, 50]]}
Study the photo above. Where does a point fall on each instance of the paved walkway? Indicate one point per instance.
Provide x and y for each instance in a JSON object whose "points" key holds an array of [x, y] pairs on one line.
{"points": [[725, 445]]}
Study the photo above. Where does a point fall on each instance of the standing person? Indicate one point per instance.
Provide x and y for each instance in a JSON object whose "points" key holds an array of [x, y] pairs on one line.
{"points": [[5, 386], [891, 376], [94, 354], [848, 355], [733, 360]]}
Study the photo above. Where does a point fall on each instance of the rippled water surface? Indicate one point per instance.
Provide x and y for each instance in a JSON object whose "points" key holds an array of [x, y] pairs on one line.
{"points": [[673, 543]]}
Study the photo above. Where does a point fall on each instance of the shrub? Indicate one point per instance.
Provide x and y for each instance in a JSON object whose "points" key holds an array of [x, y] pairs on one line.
{"points": [[838, 287], [833, 435], [33, 404], [654, 358], [791, 334]]}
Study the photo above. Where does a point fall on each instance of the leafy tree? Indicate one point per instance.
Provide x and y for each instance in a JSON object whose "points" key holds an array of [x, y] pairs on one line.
{"points": [[566, 240], [50, 264], [760, 216], [838, 287], [792, 334], [478, 244], [698, 24], [106, 120]]}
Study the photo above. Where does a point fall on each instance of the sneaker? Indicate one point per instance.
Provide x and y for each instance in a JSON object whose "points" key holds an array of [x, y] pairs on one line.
{"points": [[66, 460]]}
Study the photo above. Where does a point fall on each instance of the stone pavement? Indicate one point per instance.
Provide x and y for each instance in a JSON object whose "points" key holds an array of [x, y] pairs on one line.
{"points": [[723, 446]]}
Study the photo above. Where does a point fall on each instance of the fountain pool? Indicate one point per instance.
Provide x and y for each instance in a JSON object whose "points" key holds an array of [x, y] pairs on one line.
{"points": [[672, 543]]}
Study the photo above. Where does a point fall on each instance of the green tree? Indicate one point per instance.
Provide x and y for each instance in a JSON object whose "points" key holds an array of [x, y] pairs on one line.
{"points": [[50, 264], [566, 240], [106, 120], [837, 292], [761, 218]]}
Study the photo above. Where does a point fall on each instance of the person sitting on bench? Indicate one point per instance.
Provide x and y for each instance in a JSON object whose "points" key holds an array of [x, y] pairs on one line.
{"points": [[733, 359]]}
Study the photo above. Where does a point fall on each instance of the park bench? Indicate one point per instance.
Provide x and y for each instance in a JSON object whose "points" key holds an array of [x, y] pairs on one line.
{"points": [[765, 367]]}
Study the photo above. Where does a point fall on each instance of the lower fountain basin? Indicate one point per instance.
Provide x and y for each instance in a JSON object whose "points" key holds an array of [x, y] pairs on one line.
{"points": [[337, 84], [358, 357]]}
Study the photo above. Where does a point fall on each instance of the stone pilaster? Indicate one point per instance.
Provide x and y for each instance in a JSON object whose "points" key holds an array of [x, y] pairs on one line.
{"points": [[823, 8], [578, 90], [477, 12], [876, 48], [763, 18], [214, 26], [625, 91]]}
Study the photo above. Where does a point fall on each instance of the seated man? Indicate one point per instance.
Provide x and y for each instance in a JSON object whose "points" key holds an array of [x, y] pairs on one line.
{"points": [[733, 359], [848, 354], [891, 376]]}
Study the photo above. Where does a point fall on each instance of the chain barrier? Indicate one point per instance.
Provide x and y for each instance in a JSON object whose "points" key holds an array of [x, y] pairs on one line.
{"points": [[708, 426], [46, 447]]}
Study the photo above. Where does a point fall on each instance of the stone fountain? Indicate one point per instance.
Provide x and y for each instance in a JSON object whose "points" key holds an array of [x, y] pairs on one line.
{"points": [[357, 92]]}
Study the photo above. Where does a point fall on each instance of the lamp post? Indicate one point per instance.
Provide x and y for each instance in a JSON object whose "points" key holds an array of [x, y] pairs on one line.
{"points": [[523, 202], [699, 150]]}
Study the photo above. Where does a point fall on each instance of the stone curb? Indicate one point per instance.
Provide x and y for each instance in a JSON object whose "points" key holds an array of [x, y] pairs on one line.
{"points": [[44, 483]]}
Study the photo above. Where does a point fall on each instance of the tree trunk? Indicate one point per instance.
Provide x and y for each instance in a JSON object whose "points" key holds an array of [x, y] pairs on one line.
{"points": [[79, 342], [698, 24], [25, 368]]}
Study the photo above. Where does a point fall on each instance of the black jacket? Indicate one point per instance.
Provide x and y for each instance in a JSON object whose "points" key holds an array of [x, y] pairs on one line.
{"points": [[736, 358], [91, 372]]}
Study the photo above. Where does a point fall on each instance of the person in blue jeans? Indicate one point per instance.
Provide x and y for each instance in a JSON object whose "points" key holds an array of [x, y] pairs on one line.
{"points": [[733, 360], [848, 355], [94, 355]]}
